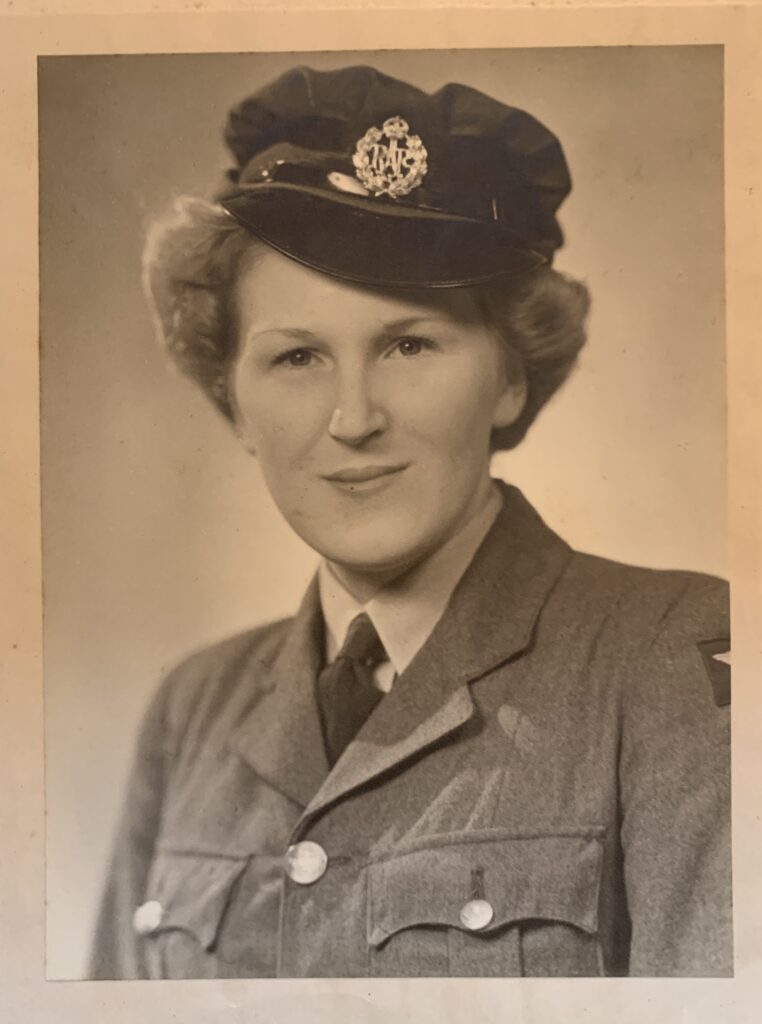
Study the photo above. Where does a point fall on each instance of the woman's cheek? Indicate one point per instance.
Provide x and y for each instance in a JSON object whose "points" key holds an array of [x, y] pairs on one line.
{"points": [[453, 411], [283, 420]]}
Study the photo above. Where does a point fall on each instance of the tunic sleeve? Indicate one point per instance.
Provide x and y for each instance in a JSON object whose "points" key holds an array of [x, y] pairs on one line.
{"points": [[675, 791], [116, 951]]}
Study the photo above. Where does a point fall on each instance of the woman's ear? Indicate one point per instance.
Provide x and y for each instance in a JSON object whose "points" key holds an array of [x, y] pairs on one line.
{"points": [[244, 441], [510, 404], [242, 435], [235, 419], [511, 401]]}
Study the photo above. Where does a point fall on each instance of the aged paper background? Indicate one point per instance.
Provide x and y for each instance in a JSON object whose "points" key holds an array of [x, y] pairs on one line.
{"points": [[25, 995]]}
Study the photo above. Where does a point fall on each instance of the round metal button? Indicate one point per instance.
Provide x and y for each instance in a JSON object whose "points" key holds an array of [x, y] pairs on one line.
{"points": [[476, 914], [147, 917], [306, 862]]}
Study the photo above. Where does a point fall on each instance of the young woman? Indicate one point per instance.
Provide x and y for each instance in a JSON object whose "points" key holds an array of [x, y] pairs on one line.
{"points": [[473, 751]]}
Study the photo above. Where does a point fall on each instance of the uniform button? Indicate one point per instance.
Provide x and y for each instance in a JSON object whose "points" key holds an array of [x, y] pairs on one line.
{"points": [[306, 862], [476, 914], [147, 917]]}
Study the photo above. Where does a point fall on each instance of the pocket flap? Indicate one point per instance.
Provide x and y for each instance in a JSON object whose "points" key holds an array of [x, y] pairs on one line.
{"points": [[549, 877], [193, 891]]}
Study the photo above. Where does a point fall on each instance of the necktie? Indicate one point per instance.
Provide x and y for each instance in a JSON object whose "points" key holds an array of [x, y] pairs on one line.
{"points": [[345, 688]]}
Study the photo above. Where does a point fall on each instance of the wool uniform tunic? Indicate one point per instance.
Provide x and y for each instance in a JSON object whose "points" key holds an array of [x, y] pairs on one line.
{"points": [[544, 791]]}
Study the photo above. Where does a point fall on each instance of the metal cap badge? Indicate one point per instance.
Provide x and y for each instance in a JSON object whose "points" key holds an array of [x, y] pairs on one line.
{"points": [[390, 161]]}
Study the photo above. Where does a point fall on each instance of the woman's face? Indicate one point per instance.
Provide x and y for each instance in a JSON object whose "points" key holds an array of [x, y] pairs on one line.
{"points": [[370, 411]]}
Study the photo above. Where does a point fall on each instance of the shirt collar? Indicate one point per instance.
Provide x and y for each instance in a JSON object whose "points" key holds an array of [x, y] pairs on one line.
{"points": [[405, 612]]}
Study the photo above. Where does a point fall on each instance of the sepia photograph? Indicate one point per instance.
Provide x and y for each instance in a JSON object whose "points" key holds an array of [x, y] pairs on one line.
{"points": [[383, 467]]}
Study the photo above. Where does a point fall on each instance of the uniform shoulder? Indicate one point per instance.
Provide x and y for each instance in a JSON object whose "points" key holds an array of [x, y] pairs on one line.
{"points": [[260, 641], [663, 628], [648, 596], [209, 675]]}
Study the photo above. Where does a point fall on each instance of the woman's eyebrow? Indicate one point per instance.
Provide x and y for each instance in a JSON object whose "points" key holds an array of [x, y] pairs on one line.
{"points": [[405, 323], [296, 333]]}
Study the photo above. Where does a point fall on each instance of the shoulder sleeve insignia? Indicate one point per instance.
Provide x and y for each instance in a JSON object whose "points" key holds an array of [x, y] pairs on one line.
{"points": [[716, 657]]}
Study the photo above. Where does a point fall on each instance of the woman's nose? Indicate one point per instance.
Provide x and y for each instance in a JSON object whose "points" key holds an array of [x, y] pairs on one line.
{"points": [[357, 415]]}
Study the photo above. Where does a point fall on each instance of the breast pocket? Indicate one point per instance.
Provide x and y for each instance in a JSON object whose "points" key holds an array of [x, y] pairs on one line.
{"points": [[188, 896], [487, 904]]}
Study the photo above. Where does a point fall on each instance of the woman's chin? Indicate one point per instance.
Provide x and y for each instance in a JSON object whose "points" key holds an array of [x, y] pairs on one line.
{"points": [[375, 557]]}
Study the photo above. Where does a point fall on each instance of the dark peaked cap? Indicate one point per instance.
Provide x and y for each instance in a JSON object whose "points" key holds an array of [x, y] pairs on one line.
{"points": [[483, 204]]}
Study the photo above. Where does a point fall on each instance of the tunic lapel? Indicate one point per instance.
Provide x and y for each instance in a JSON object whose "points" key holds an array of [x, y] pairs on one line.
{"points": [[281, 737], [490, 619]]}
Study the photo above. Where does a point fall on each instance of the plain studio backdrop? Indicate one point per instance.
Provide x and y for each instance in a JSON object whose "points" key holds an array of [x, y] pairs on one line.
{"points": [[159, 536]]}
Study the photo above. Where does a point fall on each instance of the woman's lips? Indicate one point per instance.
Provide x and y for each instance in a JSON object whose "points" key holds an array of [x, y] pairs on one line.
{"points": [[361, 479], [362, 474]]}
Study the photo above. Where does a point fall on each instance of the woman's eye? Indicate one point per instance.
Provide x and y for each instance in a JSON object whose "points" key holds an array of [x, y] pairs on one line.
{"points": [[412, 345], [296, 357]]}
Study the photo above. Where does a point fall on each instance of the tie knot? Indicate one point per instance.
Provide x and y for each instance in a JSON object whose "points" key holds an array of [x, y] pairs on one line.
{"points": [[362, 643]]}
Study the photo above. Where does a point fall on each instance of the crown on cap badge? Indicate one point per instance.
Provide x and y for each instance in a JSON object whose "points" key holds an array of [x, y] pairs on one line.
{"points": [[390, 161]]}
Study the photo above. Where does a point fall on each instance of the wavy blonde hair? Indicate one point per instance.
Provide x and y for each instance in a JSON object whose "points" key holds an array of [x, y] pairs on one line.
{"points": [[191, 259]]}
